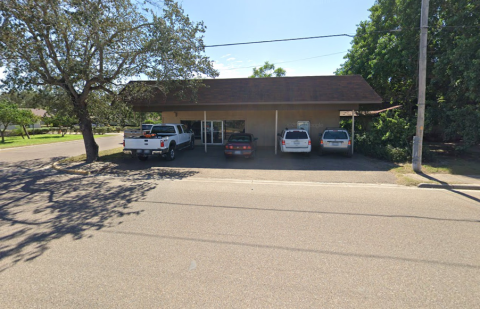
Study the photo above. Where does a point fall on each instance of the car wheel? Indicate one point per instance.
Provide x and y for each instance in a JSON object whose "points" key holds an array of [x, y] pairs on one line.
{"points": [[171, 154], [143, 158], [192, 144]]}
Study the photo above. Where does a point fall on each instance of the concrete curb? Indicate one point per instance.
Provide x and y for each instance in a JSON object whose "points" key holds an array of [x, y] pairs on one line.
{"points": [[68, 171], [448, 186]]}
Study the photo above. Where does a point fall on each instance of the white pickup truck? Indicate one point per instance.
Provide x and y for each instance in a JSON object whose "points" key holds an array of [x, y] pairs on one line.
{"points": [[163, 140]]}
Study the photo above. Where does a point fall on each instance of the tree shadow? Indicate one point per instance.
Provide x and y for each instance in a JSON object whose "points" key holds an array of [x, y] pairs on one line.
{"points": [[448, 187], [39, 205]]}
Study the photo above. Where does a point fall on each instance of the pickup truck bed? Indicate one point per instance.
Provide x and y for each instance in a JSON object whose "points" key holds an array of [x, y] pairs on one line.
{"points": [[164, 140]]}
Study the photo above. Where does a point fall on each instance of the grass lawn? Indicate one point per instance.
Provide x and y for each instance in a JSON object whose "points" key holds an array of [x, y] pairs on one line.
{"points": [[104, 155], [468, 166], [17, 141]]}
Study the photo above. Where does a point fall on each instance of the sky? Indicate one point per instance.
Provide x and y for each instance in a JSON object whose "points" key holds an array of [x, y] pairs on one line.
{"points": [[237, 21]]}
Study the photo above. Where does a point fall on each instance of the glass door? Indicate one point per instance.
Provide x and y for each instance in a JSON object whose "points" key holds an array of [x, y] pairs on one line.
{"points": [[214, 132]]}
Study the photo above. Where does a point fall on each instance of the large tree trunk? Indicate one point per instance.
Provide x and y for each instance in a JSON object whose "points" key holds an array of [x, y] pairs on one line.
{"points": [[91, 147]]}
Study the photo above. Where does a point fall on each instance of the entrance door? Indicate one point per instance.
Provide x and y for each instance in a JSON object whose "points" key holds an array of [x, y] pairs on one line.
{"points": [[214, 132]]}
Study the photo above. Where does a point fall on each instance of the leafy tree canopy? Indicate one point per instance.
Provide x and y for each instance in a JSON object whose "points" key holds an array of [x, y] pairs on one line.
{"points": [[267, 70], [385, 52], [90, 48]]}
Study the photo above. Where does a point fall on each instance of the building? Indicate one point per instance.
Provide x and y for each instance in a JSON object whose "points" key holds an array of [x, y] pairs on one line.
{"points": [[262, 106]]}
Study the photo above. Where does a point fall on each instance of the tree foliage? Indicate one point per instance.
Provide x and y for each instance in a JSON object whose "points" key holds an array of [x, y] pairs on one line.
{"points": [[385, 52], [267, 70], [10, 114], [89, 49]]}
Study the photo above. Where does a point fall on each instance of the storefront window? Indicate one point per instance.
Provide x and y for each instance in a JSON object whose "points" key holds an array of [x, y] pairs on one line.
{"points": [[233, 126], [194, 125]]}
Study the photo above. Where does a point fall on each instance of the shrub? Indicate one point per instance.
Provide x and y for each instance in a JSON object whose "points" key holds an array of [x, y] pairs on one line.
{"points": [[99, 130], [390, 138]]}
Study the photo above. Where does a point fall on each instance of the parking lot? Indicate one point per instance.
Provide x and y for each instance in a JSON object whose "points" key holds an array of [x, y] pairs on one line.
{"points": [[265, 166]]}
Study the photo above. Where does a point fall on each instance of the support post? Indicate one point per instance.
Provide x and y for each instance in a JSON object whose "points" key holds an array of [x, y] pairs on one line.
{"points": [[276, 130], [353, 128], [422, 76], [205, 129]]}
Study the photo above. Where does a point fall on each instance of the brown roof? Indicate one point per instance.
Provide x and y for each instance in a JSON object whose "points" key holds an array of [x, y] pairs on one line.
{"points": [[37, 112], [276, 90]]}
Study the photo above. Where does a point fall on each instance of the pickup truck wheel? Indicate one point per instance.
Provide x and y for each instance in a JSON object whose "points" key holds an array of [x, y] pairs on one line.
{"points": [[143, 158], [192, 144], [171, 154]]}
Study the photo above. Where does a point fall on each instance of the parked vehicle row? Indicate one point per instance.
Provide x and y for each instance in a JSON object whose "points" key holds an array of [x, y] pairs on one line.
{"points": [[165, 139]]}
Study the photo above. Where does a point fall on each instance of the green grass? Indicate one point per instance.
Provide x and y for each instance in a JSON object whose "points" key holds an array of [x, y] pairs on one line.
{"points": [[454, 166], [105, 156], [17, 141]]}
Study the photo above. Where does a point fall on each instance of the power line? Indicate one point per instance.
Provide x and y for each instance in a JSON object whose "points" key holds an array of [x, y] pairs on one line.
{"points": [[337, 35], [249, 67], [284, 40]]}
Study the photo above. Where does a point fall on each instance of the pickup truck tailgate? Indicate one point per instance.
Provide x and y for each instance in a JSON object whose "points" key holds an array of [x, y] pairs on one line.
{"points": [[143, 143]]}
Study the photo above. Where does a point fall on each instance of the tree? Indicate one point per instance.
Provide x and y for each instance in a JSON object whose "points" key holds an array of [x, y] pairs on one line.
{"points": [[267, 70], [90, 48], [25, 117], [8, 115], [385, 52]]}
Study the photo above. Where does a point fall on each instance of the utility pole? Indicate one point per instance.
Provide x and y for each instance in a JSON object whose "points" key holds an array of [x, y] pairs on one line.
{"points": [[422, 77]]}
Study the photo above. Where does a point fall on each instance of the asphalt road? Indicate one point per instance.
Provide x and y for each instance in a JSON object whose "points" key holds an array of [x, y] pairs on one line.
{"points": [[56, 150], [115, 242]]}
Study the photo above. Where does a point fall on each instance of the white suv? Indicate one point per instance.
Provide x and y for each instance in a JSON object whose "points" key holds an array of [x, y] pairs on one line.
{"points": [[335, 140], [295, 140]]}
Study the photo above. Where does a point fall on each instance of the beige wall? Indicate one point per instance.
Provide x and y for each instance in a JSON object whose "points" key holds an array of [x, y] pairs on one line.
{"points": [[262, 123]]}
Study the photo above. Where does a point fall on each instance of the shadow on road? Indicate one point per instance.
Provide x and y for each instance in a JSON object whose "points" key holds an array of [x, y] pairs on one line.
{"points": [[38, 205], [451, 190]]}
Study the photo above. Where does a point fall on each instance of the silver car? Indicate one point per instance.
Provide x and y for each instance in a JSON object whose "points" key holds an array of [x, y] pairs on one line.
{"points": [[335, 140]]}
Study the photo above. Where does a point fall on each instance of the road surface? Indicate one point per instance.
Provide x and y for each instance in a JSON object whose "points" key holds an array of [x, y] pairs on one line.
{"points": [[56, 150], [122, 242]]}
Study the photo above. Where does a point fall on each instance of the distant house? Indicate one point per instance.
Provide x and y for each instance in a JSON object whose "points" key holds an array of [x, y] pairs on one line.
{"points": [[36, 112]]}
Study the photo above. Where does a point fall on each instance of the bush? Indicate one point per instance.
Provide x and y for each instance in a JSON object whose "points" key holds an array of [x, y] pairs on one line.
{"points": [[100, 130], [390, 138], [39, 130]]}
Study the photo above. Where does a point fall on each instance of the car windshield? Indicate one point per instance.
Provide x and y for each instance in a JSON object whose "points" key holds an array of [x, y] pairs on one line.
{"points": [[240, 139], [296, 135], [163, 129], [335, 135], [146, 127]]}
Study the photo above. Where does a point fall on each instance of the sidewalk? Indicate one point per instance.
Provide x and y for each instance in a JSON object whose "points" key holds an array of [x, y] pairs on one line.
{"points": [[328, 169], [446, 181]]}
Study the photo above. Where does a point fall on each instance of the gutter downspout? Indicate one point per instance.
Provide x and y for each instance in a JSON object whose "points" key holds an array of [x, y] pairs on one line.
{"points": [[353, 128], [205, 129], [276, 129]]}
